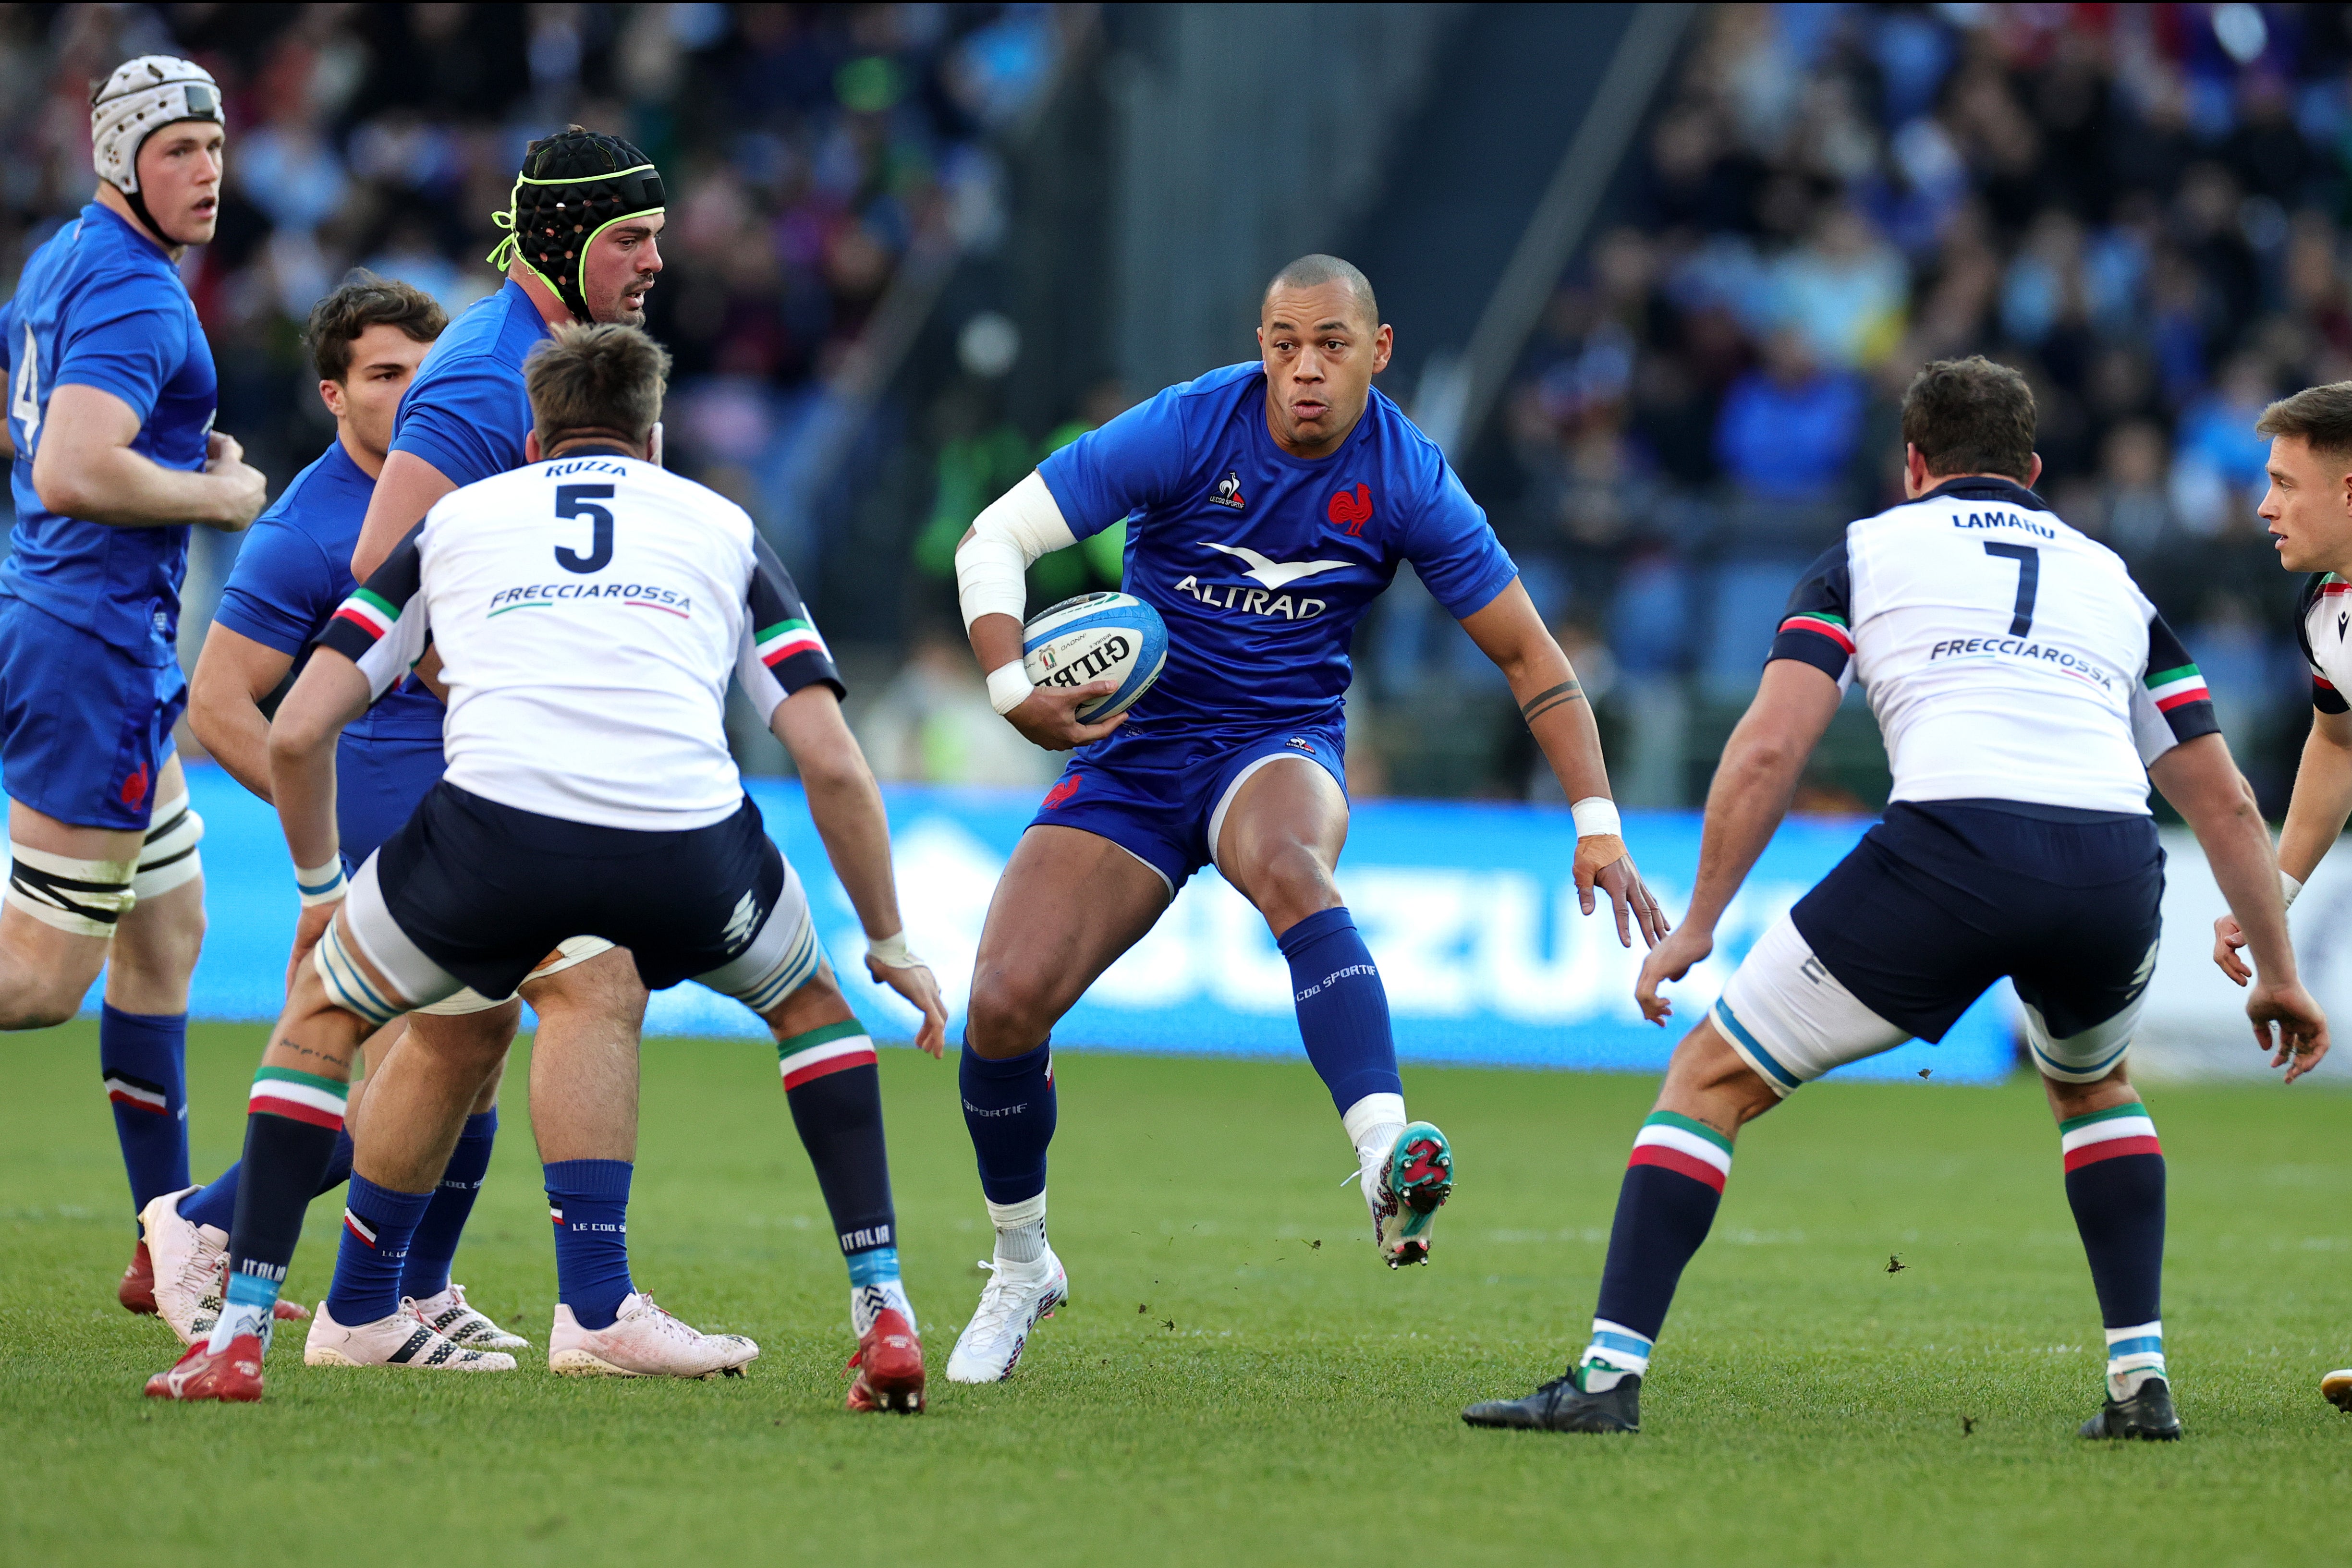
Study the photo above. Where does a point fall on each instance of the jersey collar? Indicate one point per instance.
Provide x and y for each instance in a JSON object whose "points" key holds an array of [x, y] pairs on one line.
{"points": [[595, 449], [1984, 488]]}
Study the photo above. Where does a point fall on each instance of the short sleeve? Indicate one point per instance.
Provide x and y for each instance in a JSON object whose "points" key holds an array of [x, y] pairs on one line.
{"points": [[469, 421], [1817, 627], [1137, 460], [782, 650], [123, 341], [1457, 556], [2172, 704], [383, 627], [280, 588]]}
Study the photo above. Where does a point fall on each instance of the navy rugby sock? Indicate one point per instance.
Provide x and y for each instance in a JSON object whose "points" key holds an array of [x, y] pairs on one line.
{"points": [[435, 1247], [378, 1225], [215, 1203], [144, 1058], [2114, 1184], [1343, 1008], [589, 1202], [292, 1121], [1674, 1184], [1009, 1110], [835, 1090]]}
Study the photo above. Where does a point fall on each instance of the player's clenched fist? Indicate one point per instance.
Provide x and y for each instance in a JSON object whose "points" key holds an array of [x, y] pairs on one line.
{"points": [[1049, 716], [245, 486]]}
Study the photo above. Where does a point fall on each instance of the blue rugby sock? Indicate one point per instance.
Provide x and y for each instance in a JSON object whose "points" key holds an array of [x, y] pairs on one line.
{"points": [[215, 1203], [589, 1202], [378, 1225], [144, 1058], [1009, 1111], [1343, 1010], [427, 1272]]}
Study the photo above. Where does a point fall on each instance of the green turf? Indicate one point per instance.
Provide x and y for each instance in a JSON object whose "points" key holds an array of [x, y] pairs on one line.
{"points": [[1222, 1390]]}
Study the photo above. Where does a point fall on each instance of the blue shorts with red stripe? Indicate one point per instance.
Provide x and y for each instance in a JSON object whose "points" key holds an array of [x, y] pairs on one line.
{"points": [[85, 726], [1167, 812]]}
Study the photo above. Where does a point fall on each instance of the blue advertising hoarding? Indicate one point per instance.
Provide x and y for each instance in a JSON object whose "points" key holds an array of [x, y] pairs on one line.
{"points": [[1469, 908]]}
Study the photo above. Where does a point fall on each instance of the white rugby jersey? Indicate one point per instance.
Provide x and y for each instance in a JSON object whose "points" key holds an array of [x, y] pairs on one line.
{"points": [[2007, 657], [2321, 621], [588, 610]]}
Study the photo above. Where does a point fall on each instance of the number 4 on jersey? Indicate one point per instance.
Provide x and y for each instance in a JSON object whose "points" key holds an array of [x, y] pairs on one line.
{"points": [[25, 406], [2029, 579]]}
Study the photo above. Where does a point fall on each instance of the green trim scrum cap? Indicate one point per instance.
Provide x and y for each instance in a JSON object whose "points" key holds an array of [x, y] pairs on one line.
{"points": [[573, 187]]}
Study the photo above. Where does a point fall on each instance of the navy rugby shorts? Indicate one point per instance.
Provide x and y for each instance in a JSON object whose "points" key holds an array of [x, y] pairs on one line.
{"points": [[1936, 903], [84, 727], [1167, 812]]}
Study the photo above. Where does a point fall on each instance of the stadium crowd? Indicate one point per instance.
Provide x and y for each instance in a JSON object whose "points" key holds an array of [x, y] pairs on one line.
{"points": [[2140, 206]]}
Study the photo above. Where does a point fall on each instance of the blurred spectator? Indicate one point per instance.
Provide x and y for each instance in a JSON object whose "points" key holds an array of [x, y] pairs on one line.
{"points": [[1788, 431], [933, 723]]}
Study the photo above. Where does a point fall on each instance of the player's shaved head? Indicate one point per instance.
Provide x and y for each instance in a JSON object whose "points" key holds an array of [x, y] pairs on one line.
{"points": [[1315, 271]]}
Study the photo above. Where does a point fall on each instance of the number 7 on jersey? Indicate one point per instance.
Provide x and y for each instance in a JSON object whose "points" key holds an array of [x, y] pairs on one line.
{"points": [[2029, 581]]}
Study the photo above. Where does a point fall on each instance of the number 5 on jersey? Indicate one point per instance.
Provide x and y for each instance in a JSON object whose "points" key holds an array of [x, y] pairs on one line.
{"points": [[580, 501]]}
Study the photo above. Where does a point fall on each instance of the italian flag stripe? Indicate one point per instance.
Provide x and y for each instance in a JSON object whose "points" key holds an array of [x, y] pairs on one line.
{"points": [[2173, 688], [2114, 1148], [1686, 1124], [1679, 1162], [301, 1096], [780, 642], [1697, 1147], [1827, 626], [2124, 1125], [833, 1056], [369, 612]]}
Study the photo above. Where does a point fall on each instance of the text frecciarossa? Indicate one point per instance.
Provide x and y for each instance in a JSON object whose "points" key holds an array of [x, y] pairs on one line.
{"points": [[634, 593]]}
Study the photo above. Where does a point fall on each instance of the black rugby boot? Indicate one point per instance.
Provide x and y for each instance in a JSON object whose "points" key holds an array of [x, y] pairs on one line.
{"points": [[1560, 1405], [2147, 1414]]}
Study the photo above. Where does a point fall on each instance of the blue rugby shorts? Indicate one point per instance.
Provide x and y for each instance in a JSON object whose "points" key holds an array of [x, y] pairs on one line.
{"points": [[84, 727]]}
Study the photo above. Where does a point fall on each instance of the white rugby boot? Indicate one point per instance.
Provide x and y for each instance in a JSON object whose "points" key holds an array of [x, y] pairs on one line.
{"points": [[2337, 1389], [448, 1314], [1404, 1185], [645, 1341], [1016, 1298], [188, 1258], [399, 1340]]}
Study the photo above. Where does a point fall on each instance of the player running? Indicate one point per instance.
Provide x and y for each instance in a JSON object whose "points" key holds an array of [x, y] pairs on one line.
{"points": [[2309, 511], [366, 340], [1268, 504], [2028, 692], [585, 611], [110, 390]]}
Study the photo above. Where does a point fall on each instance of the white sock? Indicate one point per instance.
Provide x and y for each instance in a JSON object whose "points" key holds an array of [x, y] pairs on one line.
{"points": [[1373, 1124], [1020, 1230], [867, 1302]]}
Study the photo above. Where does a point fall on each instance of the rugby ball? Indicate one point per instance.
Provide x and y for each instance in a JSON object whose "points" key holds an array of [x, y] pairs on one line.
{"points": [[1096, 637]]}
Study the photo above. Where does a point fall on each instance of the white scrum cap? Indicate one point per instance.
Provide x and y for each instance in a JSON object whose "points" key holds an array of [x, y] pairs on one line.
{"points": [[140, 99]]}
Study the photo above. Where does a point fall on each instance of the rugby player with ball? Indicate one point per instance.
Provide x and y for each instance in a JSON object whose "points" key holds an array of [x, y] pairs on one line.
{"points": [[1268, 504]]}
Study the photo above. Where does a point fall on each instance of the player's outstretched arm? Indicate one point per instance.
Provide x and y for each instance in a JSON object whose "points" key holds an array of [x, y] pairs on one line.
{"points": [[1553, 701], [403, 492], [1753, 786], [331, 693], [846, 806], [2212, 797], [234, 674], [83, 467], [2314, 820]]}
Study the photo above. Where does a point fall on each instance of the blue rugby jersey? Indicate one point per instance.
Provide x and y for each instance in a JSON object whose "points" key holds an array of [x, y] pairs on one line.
{"points": [[1262, 563], [466, 412], [295, 572], [101, 305]]}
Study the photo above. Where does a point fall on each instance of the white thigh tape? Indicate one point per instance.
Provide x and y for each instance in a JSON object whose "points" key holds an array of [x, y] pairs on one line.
{"points": [[781, 957], [169, 858], [85, 897], [347, 985]]}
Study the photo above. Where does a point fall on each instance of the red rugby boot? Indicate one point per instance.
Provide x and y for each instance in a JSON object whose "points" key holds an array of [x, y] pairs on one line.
{"points": [[136, 1289], [234, 1375], [889, 1367]]}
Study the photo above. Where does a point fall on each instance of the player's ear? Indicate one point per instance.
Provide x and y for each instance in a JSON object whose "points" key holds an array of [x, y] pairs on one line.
{"points": [[531, 452], [2034, 471], [331, 394], [1383, 346]]}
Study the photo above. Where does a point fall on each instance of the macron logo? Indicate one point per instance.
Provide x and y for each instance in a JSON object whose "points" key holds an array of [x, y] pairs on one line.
{"points": [[1275, 574]]}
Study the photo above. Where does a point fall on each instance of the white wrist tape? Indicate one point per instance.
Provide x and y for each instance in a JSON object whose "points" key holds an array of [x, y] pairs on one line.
{"points": [[1596, 815], [1009, 686], [2288, 888], [891, 952], [991, 567], [321, 883]]}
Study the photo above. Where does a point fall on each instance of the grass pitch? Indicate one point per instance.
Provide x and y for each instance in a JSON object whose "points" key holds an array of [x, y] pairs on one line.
{"points": [[1221, 1389]]}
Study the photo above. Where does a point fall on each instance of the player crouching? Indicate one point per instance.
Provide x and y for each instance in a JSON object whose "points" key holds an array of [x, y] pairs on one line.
{"points": [[590, 791]]}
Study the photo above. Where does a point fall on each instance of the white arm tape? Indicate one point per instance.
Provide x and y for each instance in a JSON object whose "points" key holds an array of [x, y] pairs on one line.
{"points": [[2288, 888], [1009, 686], [1016, 529], [321, 883], [891, 952], [1596, 815]]}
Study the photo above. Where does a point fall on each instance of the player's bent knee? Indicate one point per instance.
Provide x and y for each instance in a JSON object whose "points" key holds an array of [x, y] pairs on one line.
{"points": [[1009, 1014]]}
